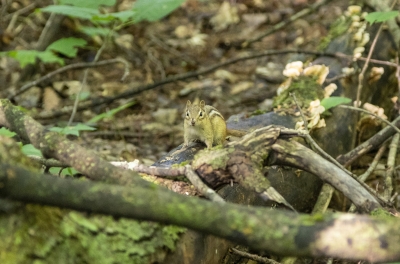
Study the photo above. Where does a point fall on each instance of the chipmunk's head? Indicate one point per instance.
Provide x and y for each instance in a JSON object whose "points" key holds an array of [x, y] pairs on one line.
{"points": [[195, 112]]}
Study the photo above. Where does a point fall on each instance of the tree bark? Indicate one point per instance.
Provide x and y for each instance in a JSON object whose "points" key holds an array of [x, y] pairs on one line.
{"points": [[281, 232]]}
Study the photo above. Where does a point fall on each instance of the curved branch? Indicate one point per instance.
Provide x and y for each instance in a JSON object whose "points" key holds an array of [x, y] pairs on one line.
{"points": [[280, 232], [296, 155]]}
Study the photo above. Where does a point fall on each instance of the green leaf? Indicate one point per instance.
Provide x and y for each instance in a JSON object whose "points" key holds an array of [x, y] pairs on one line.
{"points": [[73, 11], [88, 3], [381, 16], [124, 15], [72, 130], [67, 46], [94, 31], [155, 9], [30, 150], [24, 57], [7, 133], [83, 127], [50, 57], [334, 101], [110, 113]]}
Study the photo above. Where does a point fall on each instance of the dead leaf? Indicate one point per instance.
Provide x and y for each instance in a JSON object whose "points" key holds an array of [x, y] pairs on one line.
{"points": [[51, 100], [242, 86], [227, 15]]}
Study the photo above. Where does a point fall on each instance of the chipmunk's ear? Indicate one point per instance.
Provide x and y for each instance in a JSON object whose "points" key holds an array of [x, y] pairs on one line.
{"points": [[188, 103], [202, 103]]}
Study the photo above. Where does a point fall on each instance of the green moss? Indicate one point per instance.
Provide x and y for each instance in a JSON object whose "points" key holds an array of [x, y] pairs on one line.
{"points": [[318, 217], [258, 112], [381, 213], [338, 28], [63, 236], [311, 220], [220, 158], [182, 164], [306, 90]]}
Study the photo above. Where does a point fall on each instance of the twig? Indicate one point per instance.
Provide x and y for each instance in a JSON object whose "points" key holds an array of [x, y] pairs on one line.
{"points": [[174, 52], [370, 113], [254, 257], [397, 74], [380, 62], [325, 195], [52, 25], [84, 80], [151, 170], [391, 164], [338, 77], [393, 197], [324, 199], [157, 63], [328, 157], [174, 78], [370, 144], [4, 6], [201, 186], [80, 65], [301, 112], [363, 177], [15, 15], [284, 23], [132, 92], [48, 162], [19, 12], [314, 144], [361, 75]]}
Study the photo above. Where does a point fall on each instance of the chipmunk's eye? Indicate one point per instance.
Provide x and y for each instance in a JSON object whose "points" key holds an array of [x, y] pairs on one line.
{"points": [[201, 114], [187, 114]]}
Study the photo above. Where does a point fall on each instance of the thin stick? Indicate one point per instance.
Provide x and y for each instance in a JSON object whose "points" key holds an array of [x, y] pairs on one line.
{"points": [[84, 81], [328, 157], [48, 162], [391, 164], [20, 12], [301, 112], [132, 92], [363, 177], [190, 174], [75, 66], [254, 257], [361, 75], [201, 186], [286, 22], [372, 143], [370, 113], [314, 144]]}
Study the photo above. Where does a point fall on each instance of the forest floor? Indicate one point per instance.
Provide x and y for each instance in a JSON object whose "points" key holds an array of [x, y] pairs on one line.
{"points": [[196, 35]]}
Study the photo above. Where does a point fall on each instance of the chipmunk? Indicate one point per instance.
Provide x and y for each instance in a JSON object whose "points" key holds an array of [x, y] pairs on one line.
{"points": [[206, 124]]}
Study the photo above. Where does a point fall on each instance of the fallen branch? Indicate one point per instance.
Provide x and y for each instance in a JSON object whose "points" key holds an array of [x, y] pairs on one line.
{"points": [[280, 232], [374, 142]]}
